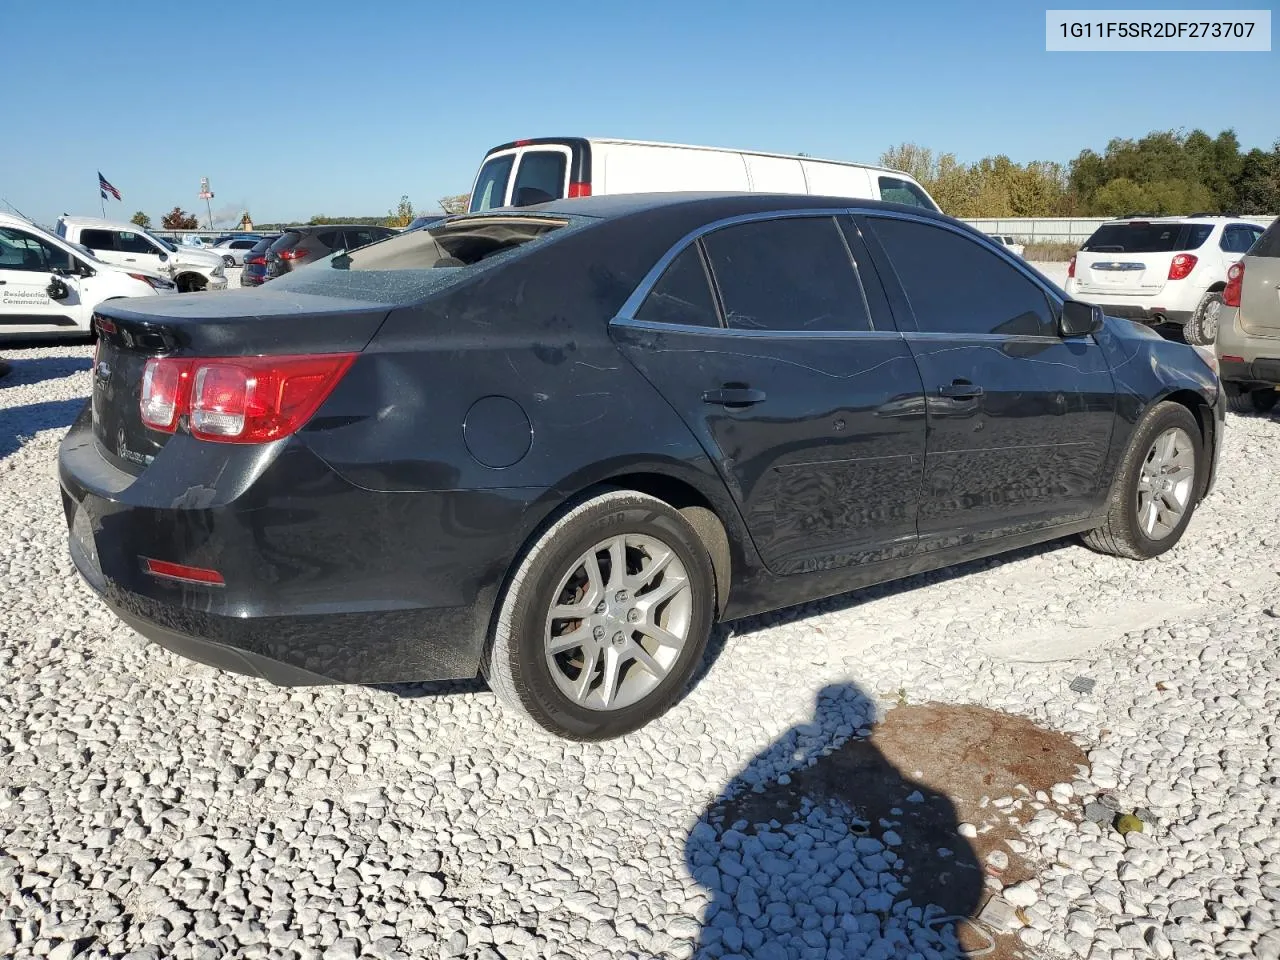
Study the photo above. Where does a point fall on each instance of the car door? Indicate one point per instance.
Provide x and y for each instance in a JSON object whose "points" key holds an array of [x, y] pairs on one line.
{"points": [[139, 251], [787, 368], [27, 265], [1019, 418]]}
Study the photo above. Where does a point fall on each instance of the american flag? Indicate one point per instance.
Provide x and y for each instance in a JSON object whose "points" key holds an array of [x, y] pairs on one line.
{"points": [[104, 187]]}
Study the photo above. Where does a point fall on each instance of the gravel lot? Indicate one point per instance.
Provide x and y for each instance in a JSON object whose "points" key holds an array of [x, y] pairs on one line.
{"points": [[154, 808]]}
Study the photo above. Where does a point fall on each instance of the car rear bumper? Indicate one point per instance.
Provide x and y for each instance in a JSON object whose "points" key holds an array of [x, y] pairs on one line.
{"points": [[324, 581], [1143, 313], [1261, 371]]}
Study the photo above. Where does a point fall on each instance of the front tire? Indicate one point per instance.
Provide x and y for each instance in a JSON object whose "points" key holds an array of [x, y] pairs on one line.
{"points": [[1157, 488], [605, 619]]}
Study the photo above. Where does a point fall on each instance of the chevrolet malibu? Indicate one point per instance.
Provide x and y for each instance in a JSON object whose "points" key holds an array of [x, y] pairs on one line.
{"points": [[555, 444]]}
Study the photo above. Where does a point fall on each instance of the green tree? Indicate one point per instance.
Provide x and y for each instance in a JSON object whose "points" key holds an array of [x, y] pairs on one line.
{"points": [[1118, 197], [141, 219], [910, 158], [1258, 187], [457, 203], [403, 215]]}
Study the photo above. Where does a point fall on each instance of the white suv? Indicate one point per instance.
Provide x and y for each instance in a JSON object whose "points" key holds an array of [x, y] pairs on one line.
{"points": [[49, 287], [128, 245], [1162, 269]]}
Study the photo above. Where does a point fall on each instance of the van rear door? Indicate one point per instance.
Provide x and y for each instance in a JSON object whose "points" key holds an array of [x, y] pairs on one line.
{"points": [[532, 171]]}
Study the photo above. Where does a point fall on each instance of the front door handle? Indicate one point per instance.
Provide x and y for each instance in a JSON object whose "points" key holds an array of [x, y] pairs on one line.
{"points": [[734, 395], [961, 390]]}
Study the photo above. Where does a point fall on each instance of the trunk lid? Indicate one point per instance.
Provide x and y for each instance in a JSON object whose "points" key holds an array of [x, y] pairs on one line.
{"points": [[1132, 258], [227, 324]]}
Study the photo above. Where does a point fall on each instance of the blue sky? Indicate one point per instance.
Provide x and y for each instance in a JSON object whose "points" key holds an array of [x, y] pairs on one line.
{"points": [[335, 108]]}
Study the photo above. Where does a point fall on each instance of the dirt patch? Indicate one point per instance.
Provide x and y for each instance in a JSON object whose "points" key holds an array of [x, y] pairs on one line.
{"points": [[924, 771]]}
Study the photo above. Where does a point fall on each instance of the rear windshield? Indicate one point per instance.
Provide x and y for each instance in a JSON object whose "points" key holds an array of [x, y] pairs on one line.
{"points": [[1267, 245], [261, 245], [410, 266], [285, 240], [1142, 237], [491, 186]]}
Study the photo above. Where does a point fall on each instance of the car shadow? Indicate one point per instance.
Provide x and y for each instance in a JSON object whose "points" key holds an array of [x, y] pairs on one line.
{"points": [[39, 369], [820, 847], [17, 424]]}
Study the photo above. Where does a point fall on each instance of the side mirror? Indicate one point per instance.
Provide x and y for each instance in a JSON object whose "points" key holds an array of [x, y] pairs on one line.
{"points": [[1079, 319]]}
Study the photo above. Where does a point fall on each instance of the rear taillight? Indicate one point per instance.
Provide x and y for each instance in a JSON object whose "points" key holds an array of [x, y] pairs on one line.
{"points": [[580, 189], [239, 399], [294, 253], [1071, 268], [255, 261], [1181, 266], [1235, 280]]}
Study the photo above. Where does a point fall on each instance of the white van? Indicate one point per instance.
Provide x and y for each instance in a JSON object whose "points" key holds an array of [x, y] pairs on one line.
{"points": [[525, 172], [49, 287]]}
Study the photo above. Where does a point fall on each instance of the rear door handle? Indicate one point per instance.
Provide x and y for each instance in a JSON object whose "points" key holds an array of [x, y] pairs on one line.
{"points": [[961, 390], [734, 395]]}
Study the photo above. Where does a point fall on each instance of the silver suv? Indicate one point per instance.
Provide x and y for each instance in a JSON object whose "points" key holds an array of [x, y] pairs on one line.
{"points": [[1248, 342]]}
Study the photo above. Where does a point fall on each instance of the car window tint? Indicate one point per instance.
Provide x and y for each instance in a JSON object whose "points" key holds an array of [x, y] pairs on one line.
{"points": [[787, 274], [955, 285], [360, 238], [491, 186], [897, 190], [127, 242], [539, 178], [98, 239], [22, 251], [1236, 239], [242, 244], [330, 238], [682, 294]]}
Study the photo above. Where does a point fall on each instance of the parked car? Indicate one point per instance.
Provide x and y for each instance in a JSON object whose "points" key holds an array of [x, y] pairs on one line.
{"points": [[48, 287], [233, 250], [255, 262], [524, 172], [555, 445], [128, 245], [1161, 270], [1009, 243], [425, 221], [299, 246], [1248, 338]]}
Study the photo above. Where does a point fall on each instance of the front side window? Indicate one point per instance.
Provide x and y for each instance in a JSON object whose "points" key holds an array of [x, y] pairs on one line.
{"points": [[793, 274], [539, 178], [897, 190], [491, 186], [683, 294], [22, 251], [956, 286]]}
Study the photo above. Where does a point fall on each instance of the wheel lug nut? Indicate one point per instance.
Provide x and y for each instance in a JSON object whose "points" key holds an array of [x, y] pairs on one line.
{"points": [[598, 633], [633, 615], [600, 607], [620, 596], [617, 638]]}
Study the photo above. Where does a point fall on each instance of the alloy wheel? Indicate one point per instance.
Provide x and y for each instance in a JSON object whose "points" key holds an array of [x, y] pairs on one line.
{"points": [[1166, 483]]}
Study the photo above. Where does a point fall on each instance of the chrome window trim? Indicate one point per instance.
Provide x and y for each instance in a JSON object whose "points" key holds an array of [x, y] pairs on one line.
{"points": [[626, 315]]}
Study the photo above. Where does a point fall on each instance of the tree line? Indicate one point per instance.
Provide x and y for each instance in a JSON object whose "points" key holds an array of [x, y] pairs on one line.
{"points": [[1165, 173]]}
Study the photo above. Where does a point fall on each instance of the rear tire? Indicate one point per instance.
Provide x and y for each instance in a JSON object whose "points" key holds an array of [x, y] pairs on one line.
{"points": [[1202, 329], [1245, 400], [616, 664], [228, 260], [1157, 488]]}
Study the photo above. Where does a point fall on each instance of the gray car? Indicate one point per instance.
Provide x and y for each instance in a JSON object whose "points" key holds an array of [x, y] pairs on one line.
{"points": [[299, 246], [1248, 338]]}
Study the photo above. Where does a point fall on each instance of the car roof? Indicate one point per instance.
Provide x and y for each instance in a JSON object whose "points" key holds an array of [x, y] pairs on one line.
{"points": [[717, 205], [99, 222]]}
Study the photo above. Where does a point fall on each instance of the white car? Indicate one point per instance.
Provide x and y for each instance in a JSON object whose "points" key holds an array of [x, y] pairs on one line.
{"points": [[128, 245], [49, 287], [1162, 269], [233, 250], [526, 172], [1009, 243]]}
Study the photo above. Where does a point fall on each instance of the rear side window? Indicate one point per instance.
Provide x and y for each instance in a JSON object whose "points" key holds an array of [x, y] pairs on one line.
{"points": [[133, 243], [1268, 245], [1237, 238], [98, 239], [330, 239], [1144, 237], [792, 274], [539, 178], [897, 190], [957, 286], [360, 238], [491, 186], [682, 295]]}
